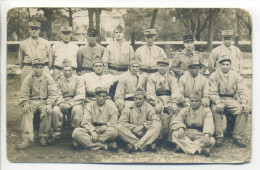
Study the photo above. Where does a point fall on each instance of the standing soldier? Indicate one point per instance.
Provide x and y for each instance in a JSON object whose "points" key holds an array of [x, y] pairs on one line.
{"points": [[34, 47], [139, 125], [225, 85], [225, 49], [73, 92], [38, 93], [98, 126], [148, 54], [180, 61], [163, 93], [89, 52], [64, 50], [127, 85], [194, 81], [118, 54], [97, 79]]}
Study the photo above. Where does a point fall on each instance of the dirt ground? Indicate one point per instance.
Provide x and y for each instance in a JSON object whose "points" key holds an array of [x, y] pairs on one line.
{"points": [[62, 152]]}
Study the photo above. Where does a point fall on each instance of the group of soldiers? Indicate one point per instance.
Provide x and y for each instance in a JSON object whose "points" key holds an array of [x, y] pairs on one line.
{"points": [[153, 99]]}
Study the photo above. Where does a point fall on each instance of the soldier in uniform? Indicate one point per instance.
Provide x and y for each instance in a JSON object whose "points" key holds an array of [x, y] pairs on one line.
{"points": [[180, 61], [118, 54], [38, 93], [98, 126], [127, 85], [64, 50], [193, 128], [225, 49], [139, 126], [89, 52], [149, 53], [194, 81], [71, 105], [229, 96], [164, 94], [97, 79], [33, 47]]}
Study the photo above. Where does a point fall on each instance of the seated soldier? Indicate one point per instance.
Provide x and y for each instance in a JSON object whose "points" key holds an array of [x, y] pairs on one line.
{"points": [[193, 128], [192, 80], [73, 96], [127, 85], [96, 79], [139, 125], [38, 93], [97, 128], [226, 86], [163, 93]]}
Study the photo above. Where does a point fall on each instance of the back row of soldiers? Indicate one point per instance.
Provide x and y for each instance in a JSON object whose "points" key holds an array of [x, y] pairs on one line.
{"points": [[148, 97]]}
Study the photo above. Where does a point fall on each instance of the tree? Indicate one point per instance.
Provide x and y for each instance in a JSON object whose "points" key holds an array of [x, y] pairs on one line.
{"points": [[212, 15], [154, 15], [245, 17]]}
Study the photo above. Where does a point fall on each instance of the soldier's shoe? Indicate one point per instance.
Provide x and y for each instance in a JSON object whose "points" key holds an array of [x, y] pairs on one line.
{"points": [[239, 142], [43, 141], [219, 142], [112, 146], [177, 149], [75, 145], [152, 147], [206, 152], [130, 148], [25, 144], [53, 140]]}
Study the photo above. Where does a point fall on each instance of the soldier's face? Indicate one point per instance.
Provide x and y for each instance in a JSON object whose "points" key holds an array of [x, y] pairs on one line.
{"points": [[195, 103], [139, 100], [38, 70], [66, 36], [225, 66], [98, 68], [150, 40], [162, 68], [34, 32], [67, 71], [227, 41], [101, 98], [189, 45], [118, 35], [194, 70], [92, 40], [134, 68]]}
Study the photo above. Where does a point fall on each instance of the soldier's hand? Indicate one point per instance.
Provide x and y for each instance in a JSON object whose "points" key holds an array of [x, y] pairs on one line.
{"points": [[158, 108], [67, 106], [120, 108], [244, 107], [205, 102], [220, 107], [206, 139], [101, 129], [49, 110], [181, 133], [26, 109], [94, 137], [175, 108]]}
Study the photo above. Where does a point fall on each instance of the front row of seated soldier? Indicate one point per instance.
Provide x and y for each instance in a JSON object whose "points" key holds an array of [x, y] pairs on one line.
{"points": [[143, 113]]}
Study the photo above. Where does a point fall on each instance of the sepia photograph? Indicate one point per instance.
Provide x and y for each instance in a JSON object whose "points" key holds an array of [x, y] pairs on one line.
{"points": [[129, 85]]}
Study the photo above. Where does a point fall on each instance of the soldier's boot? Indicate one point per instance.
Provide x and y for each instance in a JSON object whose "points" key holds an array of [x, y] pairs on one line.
{"points": [[152, 147], [219, 142], [206, 152], [54, 139], [75, 145], [43, 141], [112, 146], [240, 143], [177, 149], [25, 144], [130, 148]]}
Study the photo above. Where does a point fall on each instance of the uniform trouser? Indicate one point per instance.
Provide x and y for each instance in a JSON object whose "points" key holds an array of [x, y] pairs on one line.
{"points": [[150, 134], [27, 121], [232, 110], [192, 141], [28, 69], [58, 117], [83, 136], [56, 72]]}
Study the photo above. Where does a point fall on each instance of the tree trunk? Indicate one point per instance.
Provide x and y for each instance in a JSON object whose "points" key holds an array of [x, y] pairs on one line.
{"points": [[18, 24], [98, 13], [210, 29], [133, 40], [70, 17], [29, 14], [155, 11], [90, 17]]}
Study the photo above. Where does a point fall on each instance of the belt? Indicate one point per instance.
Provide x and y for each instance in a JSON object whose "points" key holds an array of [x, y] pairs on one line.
{"points": [[98, 124], [163, 93], [116, 68], [87, 69], [89, 94], [148, 70], [30, 64], [129, 99], [226, 95], [60, 68]]}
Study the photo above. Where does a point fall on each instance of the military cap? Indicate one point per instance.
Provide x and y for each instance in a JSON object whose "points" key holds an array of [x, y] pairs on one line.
{"points": [[35, 24], [37, 61], [150, 32], [119, 28], [66, 29], [100, 90], [139, 91], [134, 61], [195, 95], [97, 59], [227, 33], [194, 62], [224, 58], [66, 63], [163, 60], [187, 38], [93, 32]]}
